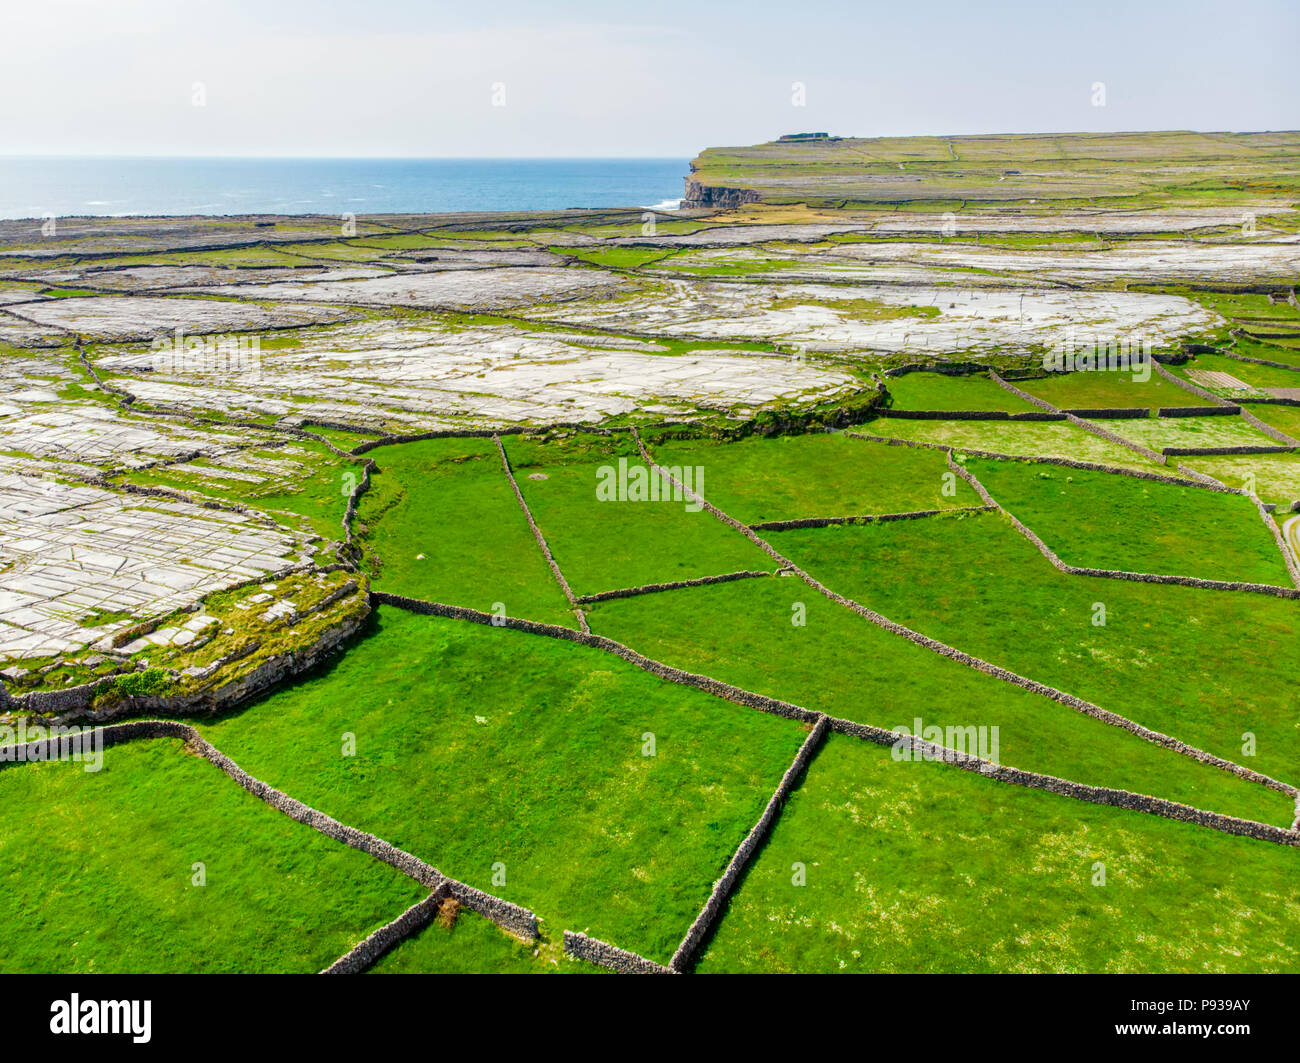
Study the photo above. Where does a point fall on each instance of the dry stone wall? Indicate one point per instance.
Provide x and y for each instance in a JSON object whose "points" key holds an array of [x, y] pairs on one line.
{"points": [[378, 944], [1227, 410], [865, 518], [512, 917], [708, 917], [593, 950], [1117, 413], [974, 662], [655, 588], [537, 534], [1139, 577]]}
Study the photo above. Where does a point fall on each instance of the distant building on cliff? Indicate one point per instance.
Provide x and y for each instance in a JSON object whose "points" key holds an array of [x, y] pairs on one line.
{"points": [[808, 136]]}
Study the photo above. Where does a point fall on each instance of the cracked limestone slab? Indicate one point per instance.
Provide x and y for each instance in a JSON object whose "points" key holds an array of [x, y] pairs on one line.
{"points": [[92, 434], [153, 278], [120, 317], [69, 551], [967, 320], [460, 289], [388, 373]]}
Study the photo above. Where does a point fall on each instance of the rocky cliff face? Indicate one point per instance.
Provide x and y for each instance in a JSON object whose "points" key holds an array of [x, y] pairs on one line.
{"points": [[701, 195]]}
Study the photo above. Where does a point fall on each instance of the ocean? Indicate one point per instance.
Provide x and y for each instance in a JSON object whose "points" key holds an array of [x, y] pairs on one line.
{"points": [[32, 187]]}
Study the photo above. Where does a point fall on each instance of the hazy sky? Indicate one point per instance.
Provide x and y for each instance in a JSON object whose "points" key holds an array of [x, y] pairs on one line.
{"points": [[659, 78]]}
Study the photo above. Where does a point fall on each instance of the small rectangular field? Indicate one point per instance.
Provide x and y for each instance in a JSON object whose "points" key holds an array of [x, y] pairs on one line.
{"points": [[821, 475], [887, 866], [1028, 439], [101, 872], [1108, 390], [1161, 432], [941, 391], [604, 544], [1175, 531], [555, 776], [440, 523]]}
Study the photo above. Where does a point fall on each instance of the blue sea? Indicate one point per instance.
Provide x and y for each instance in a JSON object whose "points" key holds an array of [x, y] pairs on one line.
{"points": [[31, 187]]}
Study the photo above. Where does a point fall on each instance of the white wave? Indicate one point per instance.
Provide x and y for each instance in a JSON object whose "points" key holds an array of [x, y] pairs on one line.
{"points": [[667, 204]]}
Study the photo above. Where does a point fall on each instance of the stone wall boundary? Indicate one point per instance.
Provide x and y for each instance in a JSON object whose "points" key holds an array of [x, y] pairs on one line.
{"points": [[1115, 413], [996, 671], [366, 953], [517, 920], [1189, 452], [349, 552], [1227, 410], [1257, 361], [864, 518], [1112, 437], [881, 736], [1272, 400], [603, 954], [1288, 558], [943, 368], [541, 539], [1033, 400], [708, 917], [655, 588]]}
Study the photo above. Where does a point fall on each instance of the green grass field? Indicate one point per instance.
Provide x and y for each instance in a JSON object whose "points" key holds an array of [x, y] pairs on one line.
{"points": [[1162, 658], [1273, 477], [1108, 390], [602, 545], [840, 663], [98, 872], [919, 867], [479, 746], [820, 475], [1184, 531], [441, 523], [939, 391], [1160, 432]]}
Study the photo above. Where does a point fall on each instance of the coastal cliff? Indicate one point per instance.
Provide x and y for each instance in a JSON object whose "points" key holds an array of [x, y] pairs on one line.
{"points": [[701, 195]]}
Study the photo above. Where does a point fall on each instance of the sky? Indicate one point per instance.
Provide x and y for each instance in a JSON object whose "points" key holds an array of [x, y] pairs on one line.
{"points": [[565, 78]]}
